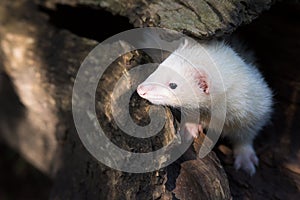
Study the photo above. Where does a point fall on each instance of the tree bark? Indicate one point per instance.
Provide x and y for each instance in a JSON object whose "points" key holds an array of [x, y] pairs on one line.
{"points": [[202, 19], [39, 65]]}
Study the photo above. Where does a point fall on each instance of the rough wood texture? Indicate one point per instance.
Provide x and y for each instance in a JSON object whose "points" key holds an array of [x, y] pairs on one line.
{"points": [[202, 18], [42, 62], [201, 176]]}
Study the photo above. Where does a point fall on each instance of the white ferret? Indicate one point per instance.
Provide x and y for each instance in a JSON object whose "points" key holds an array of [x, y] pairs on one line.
{"points": [[194, 72]]}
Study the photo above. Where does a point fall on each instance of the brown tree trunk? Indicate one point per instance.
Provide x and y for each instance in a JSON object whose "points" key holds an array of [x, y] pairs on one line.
{"points": [[42, 61], [202, 18]]}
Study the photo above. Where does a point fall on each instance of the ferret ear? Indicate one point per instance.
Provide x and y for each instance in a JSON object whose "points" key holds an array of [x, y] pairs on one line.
{"points": [[202, 80]]}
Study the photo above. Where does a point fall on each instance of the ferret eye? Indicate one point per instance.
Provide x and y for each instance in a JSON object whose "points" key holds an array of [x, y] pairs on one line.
{"points": [[172, 85]]}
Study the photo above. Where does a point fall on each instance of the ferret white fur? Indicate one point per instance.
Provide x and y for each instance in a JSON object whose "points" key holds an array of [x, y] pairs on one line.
{"points": [[193, 72]]}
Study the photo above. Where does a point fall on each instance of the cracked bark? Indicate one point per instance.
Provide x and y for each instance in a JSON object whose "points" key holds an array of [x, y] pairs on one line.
{"points": [[202, 19], [45, 134], [37, 58]]}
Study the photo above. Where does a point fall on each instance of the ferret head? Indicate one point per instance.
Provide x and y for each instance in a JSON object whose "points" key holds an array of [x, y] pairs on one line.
{"points": [[176, 82]]}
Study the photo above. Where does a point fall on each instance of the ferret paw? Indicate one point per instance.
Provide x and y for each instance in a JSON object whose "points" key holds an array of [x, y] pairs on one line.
{"points": [[245, 159], [190, 130]]}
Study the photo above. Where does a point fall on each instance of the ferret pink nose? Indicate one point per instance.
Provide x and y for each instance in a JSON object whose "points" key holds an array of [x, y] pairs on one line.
{"points": [[141, 90]]}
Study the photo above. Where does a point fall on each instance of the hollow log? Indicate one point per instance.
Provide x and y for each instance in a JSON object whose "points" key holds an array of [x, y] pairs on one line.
{"points": [[38, 67]]}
